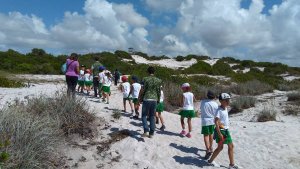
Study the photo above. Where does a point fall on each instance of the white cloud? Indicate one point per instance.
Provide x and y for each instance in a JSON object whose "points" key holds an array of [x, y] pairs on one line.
{"points": [[207, 27]]}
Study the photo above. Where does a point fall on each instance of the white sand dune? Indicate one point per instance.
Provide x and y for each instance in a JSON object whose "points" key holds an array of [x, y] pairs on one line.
{"points": [[169, 63], [257, 145]]}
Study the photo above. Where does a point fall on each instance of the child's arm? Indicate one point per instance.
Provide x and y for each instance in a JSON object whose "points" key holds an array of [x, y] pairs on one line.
{"points": [[217, 122], [131, 90], [181, 101]]}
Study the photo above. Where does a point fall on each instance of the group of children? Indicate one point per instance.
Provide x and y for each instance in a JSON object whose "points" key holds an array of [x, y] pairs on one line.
{"points": [[214, 118], [85, 82], [215, 123], [131, 93]]}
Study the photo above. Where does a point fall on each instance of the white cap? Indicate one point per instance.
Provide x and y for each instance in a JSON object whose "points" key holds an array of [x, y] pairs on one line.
{"points": [[224, 96], [185, 85]]}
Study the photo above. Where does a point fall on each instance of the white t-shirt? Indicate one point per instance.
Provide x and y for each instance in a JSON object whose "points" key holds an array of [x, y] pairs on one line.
{"points": [[161, 96], [208, 112], [188, 101], [81, 75], [136, 90], [88, 77], [107, 81], [222, 114], [101, 77], [126, 89]]}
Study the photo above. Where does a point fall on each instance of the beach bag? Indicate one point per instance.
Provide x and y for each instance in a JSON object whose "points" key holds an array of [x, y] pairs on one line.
{"points": [[63, 68]]}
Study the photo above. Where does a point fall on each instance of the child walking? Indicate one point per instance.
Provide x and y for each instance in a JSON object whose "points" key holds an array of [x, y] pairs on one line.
{"points": [[107, 80], [125, 88], [101, 77], [160, 108], [81, 79], [88, 81], [187, 109], [208, 108], [222, 132], [135, 91]]}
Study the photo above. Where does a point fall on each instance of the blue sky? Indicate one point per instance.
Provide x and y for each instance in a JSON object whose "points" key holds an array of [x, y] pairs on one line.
{"points": [[244, 29], [52, 11]]}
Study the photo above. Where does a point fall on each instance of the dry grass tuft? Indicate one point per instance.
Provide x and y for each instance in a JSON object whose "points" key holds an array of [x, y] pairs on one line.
{"points": [[241, 103]]}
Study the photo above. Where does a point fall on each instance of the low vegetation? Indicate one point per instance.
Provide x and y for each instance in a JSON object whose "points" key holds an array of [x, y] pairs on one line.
{"points": [[253, 87], [10, 83], [291, 110], [269, 113], [242, 102], [295, 96], [33, 130], [116, 114]]}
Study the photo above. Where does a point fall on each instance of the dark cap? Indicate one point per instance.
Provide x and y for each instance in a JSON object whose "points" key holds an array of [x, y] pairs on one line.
{"points": [[210, 94]]}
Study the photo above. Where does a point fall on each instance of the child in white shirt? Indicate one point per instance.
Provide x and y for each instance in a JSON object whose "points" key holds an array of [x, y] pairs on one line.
{"points": [[106, 81], [187, 109], [135, 92], [88, 81], [125, 88]]}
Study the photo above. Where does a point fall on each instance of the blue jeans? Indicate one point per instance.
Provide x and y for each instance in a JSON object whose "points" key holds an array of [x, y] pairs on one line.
{"points": [[148, 109]]}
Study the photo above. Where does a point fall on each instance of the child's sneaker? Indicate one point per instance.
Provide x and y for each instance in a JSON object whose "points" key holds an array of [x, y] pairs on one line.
{"points": [[188, 135], [183, 132], [213, 164], [234, 167], [146, 134], [163, 127]]}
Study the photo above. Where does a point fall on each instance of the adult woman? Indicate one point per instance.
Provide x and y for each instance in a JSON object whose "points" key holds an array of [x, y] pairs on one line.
{"points": [[72, 74]]}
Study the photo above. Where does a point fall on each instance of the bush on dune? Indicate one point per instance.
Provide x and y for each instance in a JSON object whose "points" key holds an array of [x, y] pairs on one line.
{"points": [[253, 87], [9, 83], [35, 129], [269, 113], [242, 102], [200, 67]]}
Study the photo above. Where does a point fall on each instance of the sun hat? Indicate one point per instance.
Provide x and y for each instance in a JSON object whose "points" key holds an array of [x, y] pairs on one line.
{"points": [[224, 96], [101, 68], [88, 70], [124, 78], [210, 94], [184, 85]]}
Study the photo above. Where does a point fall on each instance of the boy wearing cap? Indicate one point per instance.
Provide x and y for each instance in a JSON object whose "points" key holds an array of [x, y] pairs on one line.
{"points": [[208, 108], [101, 78], [222, 132], [135, 92], [125, 88]]}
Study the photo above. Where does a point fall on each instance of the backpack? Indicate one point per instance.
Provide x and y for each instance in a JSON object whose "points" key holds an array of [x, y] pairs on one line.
{"points": [[63, 68]]}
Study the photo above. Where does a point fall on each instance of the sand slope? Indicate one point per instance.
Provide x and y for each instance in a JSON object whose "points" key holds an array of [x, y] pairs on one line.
{"points": [[267, 145]]}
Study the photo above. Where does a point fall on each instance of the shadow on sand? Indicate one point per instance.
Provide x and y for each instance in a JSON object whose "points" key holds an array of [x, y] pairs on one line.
{"points": [[185, 149], [189, 160], [169, 133]]}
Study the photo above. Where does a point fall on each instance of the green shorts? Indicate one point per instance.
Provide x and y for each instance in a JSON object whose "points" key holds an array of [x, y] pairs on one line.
{"points": [[135, 100], [208, 130], [128, 98], [160, 107], [81, 83], [187, 113], [100, 86], [106, 89], [226, 135], [88, 83]]}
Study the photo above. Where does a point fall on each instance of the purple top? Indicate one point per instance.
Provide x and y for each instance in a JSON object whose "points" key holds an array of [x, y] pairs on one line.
{"points": [[71, 67]]}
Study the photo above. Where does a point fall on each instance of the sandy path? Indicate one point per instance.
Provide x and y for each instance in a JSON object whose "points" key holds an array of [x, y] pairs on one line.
{"points": [[267, 145]]}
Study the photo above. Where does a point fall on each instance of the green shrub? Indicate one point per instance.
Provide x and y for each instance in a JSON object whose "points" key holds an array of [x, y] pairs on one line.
{"points": [[9, 83], [221, 68], [295, 96], [123, 54], [241, 103], [238, 66], [269, 113], [254, 87], [200, 67], [179, 58], [291, 110], [172, 93]]}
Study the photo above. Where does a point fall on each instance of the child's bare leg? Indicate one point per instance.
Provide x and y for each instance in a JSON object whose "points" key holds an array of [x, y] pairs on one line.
{"points": [[182, 123], [211, 140], [207, 143], [130, 103], [107, 97], [230, 153], [124, 104], [216, 153], [190, 124], [161, 118]]}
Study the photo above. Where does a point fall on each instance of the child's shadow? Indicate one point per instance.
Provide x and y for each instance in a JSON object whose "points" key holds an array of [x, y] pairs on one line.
{"points": [[169, 133], [189, 160], [185, 149], [136, 124]]}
